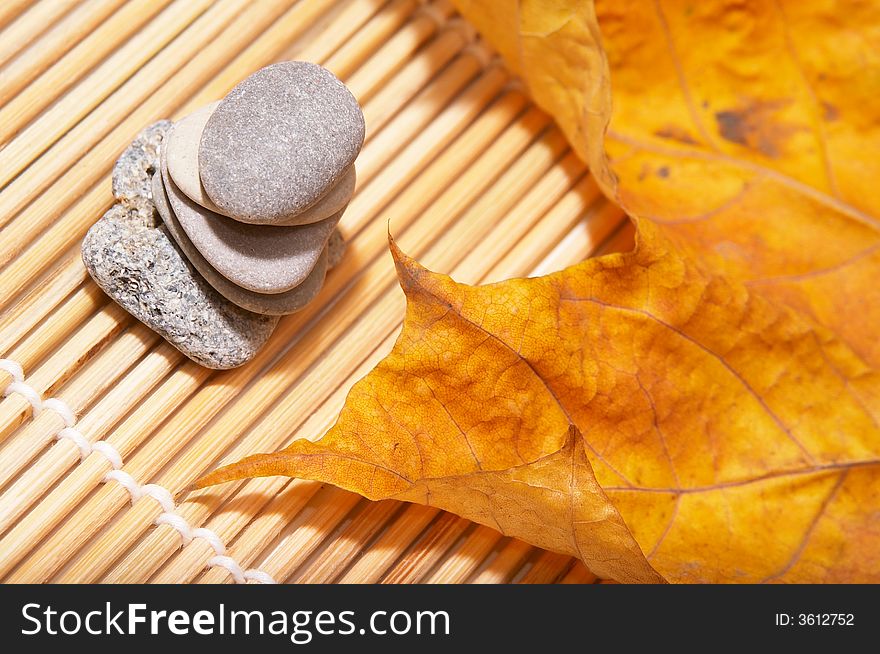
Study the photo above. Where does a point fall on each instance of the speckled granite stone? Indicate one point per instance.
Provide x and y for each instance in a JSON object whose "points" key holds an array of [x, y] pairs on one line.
{"points": [[133, 171], [138, 265], [279, 142], [132, 258], [275, 305], [260, 258]]}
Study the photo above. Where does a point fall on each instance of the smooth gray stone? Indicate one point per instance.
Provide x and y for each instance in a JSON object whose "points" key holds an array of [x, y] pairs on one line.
{"points": [[275, 305], [336, 200], [182, 154], [259, 258], [279, 142], [138, 264], [133, 171]]}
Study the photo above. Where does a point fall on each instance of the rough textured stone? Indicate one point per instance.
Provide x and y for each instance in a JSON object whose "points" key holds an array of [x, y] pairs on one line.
{"points": [[138, 265], [133, 171], [260, 258], [277, 304], [279, 141], [182, 155]]}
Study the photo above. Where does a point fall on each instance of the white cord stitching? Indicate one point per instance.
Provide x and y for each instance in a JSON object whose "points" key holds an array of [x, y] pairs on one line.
{"points": [[177, 522], [128, 482], [136, 491], [161, 494], [85, 448], [211, 537], [110, 453], [238, 575], [260, 576], [60, 407], [13, 368], [28, 392], [231, 566]]}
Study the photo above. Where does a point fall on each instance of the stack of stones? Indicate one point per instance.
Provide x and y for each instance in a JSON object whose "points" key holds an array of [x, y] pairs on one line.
{"points": [[249, 191]]}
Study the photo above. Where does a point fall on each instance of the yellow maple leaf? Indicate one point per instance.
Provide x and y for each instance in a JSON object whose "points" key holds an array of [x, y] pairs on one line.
{"points": [[751, 134], [706, 407]]}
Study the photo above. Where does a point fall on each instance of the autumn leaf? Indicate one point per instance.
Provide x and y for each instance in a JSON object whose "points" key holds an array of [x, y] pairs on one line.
{"points": [[554, 46], [750, 132], [705, 408]]}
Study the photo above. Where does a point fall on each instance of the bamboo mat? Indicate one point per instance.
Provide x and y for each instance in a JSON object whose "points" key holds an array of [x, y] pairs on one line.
{"points": [[474, 180]]}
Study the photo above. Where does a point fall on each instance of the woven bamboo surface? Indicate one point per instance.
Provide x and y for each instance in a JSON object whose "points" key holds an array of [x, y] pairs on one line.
{"points": [[474, 180]]}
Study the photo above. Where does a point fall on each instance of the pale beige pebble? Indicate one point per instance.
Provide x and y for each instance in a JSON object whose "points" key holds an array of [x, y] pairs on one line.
{"points": [[260, 258], [278, 304], [182, 155]]}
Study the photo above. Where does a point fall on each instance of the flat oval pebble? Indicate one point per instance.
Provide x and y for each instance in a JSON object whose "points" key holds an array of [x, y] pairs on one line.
{"points": [[275, 305], [279, 142], [336, 200], [182, 155], [138, 265], [260, 258]]}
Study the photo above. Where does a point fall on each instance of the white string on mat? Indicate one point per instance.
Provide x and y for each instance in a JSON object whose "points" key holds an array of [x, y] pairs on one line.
{"points": [[136, 491], [240, 576]]}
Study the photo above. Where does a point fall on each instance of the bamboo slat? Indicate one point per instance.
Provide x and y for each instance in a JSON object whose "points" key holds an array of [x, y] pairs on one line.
{"points": [[509, 559], [117, 402], [48, 335], [425, 553], [578, 574], [99, 374], [30, 25], [21, 541], [11, 9], [379, 319], [359, 531], [377, 240], [382, 26], [112, 74], [465, 558], [75, 351], [547, 568], [468, 176], [52, 46], [47, 131]]}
